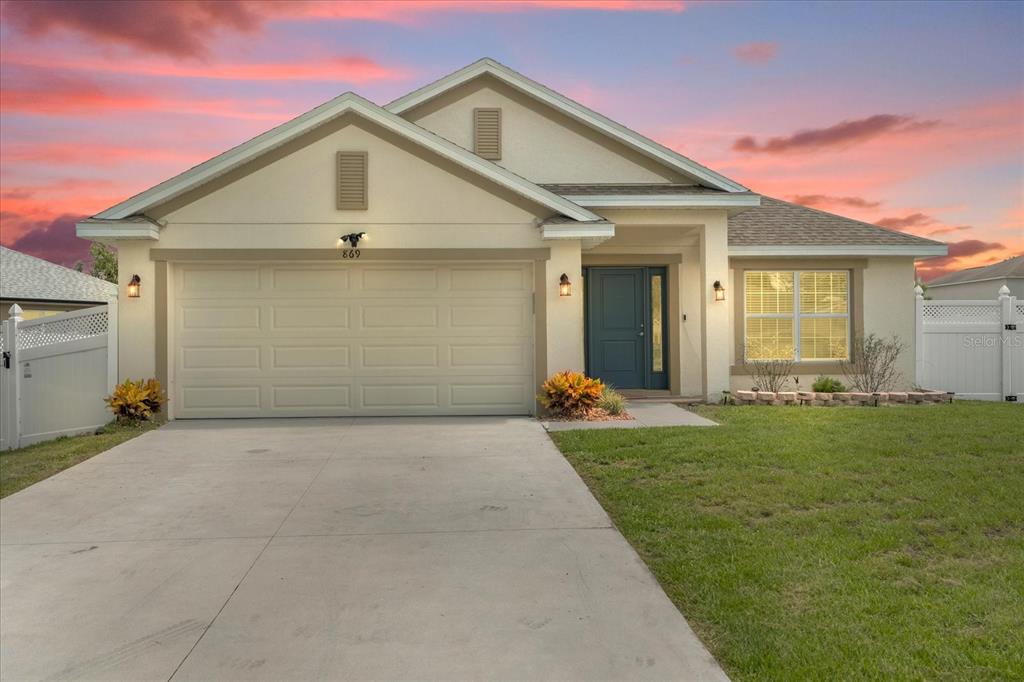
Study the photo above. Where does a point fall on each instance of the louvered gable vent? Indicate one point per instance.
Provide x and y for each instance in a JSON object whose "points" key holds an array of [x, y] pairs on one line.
{"points": [[352, 181], [487, 133]]}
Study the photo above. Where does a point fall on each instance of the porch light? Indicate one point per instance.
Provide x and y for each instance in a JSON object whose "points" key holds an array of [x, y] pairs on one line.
{"points": [[719, 291], [133, 286], [564, 285], [353, 238]]}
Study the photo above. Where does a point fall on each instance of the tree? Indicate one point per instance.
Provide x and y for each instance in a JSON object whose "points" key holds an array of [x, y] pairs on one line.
{"points": [[104, 262]]}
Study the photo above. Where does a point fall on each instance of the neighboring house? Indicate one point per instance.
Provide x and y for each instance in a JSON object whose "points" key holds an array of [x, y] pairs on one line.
{"points": [[474, 195], [43, 288], [981, 283]]}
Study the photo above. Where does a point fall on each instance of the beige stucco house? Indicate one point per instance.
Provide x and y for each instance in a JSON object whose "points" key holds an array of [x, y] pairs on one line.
{"points": [[494, 232]]}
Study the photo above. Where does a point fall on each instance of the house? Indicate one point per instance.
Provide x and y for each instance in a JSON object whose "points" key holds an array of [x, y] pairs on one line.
{"points": [[43, 288], [445, 253], [981, 283]]}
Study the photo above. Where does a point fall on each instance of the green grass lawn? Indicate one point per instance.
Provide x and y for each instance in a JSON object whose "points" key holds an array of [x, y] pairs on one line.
{"points": [[831, 543], [22, 467]]}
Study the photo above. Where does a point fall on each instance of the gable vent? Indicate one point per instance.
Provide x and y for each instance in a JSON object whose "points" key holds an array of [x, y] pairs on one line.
{"points": [[487, 133], [352, 172]]}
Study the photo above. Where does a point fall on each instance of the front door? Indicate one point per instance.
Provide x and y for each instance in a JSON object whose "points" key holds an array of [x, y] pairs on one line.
{"points": [[625, 326]]}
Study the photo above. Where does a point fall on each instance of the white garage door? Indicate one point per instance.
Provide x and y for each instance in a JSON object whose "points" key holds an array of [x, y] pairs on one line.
{"points": [[327, 339]]}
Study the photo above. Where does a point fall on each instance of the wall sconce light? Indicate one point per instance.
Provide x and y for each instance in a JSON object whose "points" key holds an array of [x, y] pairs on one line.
{"points": [[719, 291], [133, 286], [353, 238], [564, 285]]}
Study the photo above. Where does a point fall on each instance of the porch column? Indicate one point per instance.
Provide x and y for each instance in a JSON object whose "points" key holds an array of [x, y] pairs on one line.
{"points": [[564, 314], [716, 334]]}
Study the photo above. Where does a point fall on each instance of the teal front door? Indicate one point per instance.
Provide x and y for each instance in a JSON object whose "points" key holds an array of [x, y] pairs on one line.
{"points": [[624, 310]]}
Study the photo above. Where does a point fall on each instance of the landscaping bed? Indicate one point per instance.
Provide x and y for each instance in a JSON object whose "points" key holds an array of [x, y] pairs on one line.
{"points": [[831, 544]]}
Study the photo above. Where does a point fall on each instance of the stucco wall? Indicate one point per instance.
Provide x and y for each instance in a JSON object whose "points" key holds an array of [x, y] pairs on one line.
{"points": [[980, 291], [538, 142]]}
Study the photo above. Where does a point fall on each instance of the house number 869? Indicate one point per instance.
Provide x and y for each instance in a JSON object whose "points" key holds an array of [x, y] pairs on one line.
{"points": [[351, 253]]}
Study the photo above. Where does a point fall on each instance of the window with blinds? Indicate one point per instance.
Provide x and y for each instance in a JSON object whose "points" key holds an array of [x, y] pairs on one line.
{"points": [[487, 133], [796, 315], [352, 181]]}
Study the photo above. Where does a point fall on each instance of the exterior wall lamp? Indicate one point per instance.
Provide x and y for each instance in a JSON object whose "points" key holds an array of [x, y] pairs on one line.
{"points": [[353, 238], [133, 286], [719, 291], [564, 285]]}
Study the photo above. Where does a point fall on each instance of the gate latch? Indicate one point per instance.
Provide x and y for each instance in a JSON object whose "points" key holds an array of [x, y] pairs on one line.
{"points": [[1010, 327], [7, 359], [1011, 398]]}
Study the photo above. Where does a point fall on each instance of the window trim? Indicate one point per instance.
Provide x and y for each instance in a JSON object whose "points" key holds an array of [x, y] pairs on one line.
{"points": [[797, 314]]}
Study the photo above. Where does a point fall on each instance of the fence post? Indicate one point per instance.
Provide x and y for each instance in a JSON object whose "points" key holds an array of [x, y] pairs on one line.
{"points": [[918, 335], [13, 397], [111, 344], [1006, 318]]}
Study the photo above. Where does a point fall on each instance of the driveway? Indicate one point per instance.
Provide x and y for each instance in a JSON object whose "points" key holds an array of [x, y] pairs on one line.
{"points": [[326, 549]]}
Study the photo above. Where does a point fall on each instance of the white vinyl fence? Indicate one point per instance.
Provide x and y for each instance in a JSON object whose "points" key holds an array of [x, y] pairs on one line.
{"points": [[975, 348], [55, 372]]}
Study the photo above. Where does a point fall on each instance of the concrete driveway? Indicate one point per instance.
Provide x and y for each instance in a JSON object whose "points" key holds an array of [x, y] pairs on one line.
{"points": [[327, 549]]}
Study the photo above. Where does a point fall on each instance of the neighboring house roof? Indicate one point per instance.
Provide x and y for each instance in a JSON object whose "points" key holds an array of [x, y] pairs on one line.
{"points": [[797, 229], [575, 110], [348, 102], [1011, 268], [25, 277]]}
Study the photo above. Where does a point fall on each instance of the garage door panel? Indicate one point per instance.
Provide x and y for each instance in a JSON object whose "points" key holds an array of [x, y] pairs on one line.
{"points": [[353, 339]]}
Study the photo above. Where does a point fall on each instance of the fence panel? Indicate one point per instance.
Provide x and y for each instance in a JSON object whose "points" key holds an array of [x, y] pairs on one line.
{"points": [[58, 375], [971, 348]]}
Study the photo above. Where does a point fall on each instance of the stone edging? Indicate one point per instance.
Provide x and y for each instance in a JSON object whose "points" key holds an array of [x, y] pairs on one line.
{"points": [[828, 399]]}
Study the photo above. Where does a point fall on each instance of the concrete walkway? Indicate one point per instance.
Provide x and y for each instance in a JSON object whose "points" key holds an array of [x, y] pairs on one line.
{"points": [[443, 548], [645, 414]]}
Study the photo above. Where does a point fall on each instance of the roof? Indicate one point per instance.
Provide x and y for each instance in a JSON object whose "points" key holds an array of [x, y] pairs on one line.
{"points": [[25, 277], [575, 110], [630, 189], [780, 223], [348, 102], [1011, 268]]}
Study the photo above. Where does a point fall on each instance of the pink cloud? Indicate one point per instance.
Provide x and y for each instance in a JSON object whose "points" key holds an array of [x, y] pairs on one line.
{"points": [[756, 53], [97, 155], [825, 200], [841, 134], [902, 223]]}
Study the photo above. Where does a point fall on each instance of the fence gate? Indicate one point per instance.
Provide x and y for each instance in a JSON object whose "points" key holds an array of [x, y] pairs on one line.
{"points": [[974, 348], [55, 372]]}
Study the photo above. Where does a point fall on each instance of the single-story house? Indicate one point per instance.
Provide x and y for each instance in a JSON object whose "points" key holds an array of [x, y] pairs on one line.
{"points": [[981, 283], [43, 288], [445, 253]]}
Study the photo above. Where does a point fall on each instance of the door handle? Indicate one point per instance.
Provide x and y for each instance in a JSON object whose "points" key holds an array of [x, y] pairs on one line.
{"points": [[640, 333]]}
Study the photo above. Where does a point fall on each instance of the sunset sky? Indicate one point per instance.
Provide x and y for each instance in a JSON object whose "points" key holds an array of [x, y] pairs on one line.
{"points": [[908, 115]]}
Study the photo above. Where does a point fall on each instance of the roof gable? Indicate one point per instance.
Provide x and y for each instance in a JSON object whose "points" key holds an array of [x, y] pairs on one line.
{"points": [[339, 106], [649, 148]]}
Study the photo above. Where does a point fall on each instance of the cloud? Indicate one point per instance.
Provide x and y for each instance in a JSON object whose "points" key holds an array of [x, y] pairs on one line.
{"points": [[53, 240], [178, 28], [187, 28], [841, 134], [912, 220], [756, 53], [98, 155], [819, 200], [963, 254], [948, 229]]}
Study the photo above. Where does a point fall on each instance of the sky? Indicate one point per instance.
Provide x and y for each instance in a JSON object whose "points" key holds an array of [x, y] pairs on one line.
{"points": [[906, 115]]}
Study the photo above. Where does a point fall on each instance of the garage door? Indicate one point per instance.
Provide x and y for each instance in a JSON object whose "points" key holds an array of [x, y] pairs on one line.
{"points": [[329, 339]]}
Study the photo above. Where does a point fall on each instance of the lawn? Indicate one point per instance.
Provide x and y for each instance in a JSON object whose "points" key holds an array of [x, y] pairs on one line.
{"points": [[22, 467], [831, 543]]}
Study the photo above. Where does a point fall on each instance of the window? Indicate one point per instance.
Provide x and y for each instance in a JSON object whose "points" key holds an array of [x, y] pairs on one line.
{"points": [[802, 315], [487, 133], [352, 181], [657, 334]]}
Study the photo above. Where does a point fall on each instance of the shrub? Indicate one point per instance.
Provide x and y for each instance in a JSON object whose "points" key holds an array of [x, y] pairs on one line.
{"points": [[136, 400], [570, 394], [872, 364], [825, 384], [611, 401], [769, 375]]}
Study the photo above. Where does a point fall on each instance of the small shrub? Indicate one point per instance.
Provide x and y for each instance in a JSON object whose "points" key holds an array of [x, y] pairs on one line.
{"points": [[769, 375], [825, 384], [872, 367], [611, 401], [570, 394], [134, 401]]}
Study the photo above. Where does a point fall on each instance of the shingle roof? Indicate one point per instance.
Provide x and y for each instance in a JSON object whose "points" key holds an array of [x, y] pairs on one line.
{"points": [[1009, 268], [780, 223], [26, 277], [596, 189]]}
